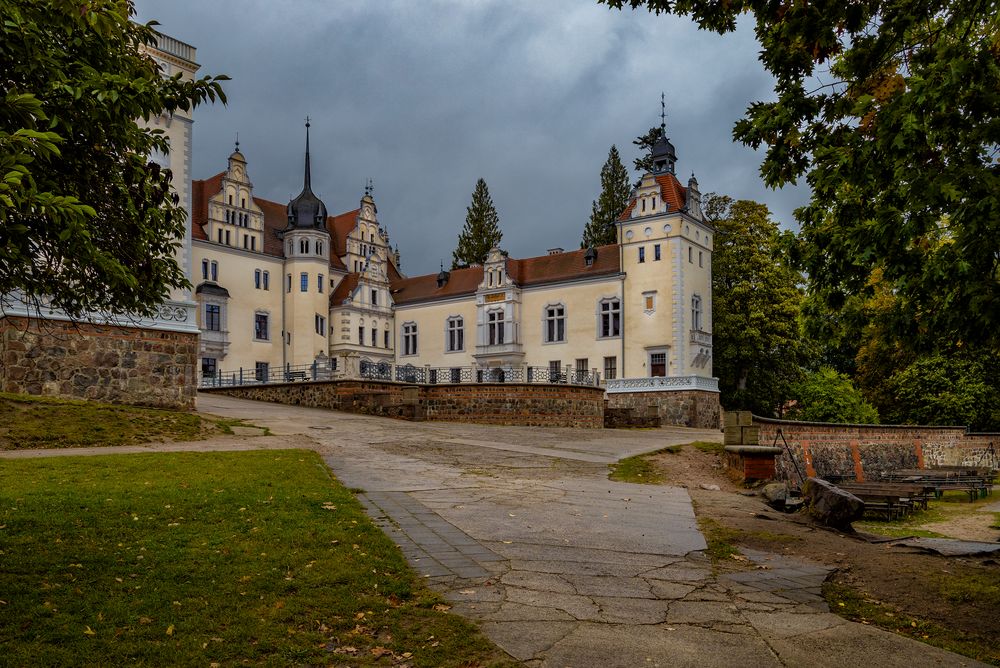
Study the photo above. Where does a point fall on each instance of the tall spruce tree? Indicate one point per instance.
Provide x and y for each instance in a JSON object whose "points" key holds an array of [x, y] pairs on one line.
{"points": [[615, 192], [481, 231]]}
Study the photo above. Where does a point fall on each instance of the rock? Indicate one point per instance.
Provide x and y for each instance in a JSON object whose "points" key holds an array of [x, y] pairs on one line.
{"points": [[775, 495], [711, 488], [830, 505]]}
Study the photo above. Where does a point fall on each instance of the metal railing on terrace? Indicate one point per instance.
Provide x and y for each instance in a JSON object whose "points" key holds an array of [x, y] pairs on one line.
{"points": [[404, 373]]}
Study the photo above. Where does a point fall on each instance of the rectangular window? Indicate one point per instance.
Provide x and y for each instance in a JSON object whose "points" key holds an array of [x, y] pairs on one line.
{"points": [[319, 283], [304, 282], [288, 283], [361, 334], [374, 337], [690, 254], [253, 243], [261, 371], [374, 297], [209, 367], [658, 364], [220, 236], [611, 318], [256, 278], [213, 317], [386, 338], [260, 327], [204, 270], [610, 368], [495, 328], [656, 252], [215, 271], [455, 334], [555, 323], [410, 338], [246, 241], [267, 281], [700, 259], [582, 365], [696, 313], [228, 243], [320, 325], [642, 254]]}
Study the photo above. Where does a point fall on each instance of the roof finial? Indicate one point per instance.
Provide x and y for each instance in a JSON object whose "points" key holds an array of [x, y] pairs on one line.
{"points": [[663, 112], [237, 142], [308, 175]]}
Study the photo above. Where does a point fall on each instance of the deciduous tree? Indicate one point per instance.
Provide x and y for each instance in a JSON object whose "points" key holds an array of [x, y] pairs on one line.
{"points": [[890, 110], [481, 231], [825, 395], [615, 193], [757, 352], [88, 222]]}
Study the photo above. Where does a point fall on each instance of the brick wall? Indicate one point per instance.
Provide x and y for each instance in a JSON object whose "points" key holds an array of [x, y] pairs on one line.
{"points": [[115, 364], [867, 451], [509, 403], [684, 408]]}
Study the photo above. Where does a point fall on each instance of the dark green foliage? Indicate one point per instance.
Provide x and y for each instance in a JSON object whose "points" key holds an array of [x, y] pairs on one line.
{"points": [[828, 396], [87, 221], [615, 194], [644, 163], [481, 232], [898, 140], [757, 353], [957, 389]]}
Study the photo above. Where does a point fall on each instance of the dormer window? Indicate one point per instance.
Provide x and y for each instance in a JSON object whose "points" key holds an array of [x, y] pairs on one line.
{"points": [[654, 202]]}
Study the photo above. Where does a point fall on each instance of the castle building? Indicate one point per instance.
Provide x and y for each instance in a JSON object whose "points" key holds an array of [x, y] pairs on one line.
{"points": [[285, 286]]}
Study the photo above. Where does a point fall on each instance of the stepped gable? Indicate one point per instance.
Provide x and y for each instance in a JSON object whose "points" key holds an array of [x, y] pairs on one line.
{"points": [[527, 272], [671, 192]]}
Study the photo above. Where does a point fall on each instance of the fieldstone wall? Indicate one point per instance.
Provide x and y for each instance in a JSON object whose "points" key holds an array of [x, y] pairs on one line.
{"points": [[865, 452], [684, 408], [124, 365], [482, 403]]}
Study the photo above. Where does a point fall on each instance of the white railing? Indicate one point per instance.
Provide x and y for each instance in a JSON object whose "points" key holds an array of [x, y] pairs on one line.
{"points": [[175, 316], [662, 384], [700, 338]]}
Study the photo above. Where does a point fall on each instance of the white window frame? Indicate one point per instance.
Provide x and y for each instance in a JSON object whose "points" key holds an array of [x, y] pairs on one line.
{"points": [[496, 323], [454, 331], [610, 313], [649, 294], [410, 339], [696, 313], [555, 320], [267, 332]]}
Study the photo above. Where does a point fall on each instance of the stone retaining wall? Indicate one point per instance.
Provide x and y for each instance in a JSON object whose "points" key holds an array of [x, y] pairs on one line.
{"points": [[125, 365], [683, 408], [483, 403], [867, 451]]}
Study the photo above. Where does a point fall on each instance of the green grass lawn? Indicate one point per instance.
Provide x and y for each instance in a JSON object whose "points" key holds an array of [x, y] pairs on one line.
{"points": [[49, 422], [208, 559]]}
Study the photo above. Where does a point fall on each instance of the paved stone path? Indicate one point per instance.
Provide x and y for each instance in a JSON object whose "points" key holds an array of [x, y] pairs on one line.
{"points": [[521, 529]]}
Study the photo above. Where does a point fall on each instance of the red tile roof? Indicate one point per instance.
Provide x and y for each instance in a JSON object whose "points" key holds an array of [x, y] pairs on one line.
{"points": [[344, 289], [671, 191], [275, 220], [526, 272]]}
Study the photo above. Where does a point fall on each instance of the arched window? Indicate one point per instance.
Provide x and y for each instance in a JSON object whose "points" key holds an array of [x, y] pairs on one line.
{"points": [[319, 247], [303, 246]]}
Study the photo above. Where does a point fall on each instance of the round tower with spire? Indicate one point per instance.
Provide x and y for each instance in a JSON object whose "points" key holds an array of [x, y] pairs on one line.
{"points": [[307, 248]]}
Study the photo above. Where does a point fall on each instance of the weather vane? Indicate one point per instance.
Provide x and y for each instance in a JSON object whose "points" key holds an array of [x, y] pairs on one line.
{"points": [[663, 110], [237, 142], [307, 121]]}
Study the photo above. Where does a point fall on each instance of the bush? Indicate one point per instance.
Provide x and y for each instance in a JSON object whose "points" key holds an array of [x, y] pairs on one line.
{"points": [[828, 396]]}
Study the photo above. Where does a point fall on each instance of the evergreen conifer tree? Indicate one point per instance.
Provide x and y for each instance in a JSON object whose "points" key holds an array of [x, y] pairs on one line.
{"points": [[481, 231], [615, 192]]}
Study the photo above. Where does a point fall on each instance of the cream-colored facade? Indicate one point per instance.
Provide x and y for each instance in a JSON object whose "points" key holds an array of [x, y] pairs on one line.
{"points": [[334, 295]]}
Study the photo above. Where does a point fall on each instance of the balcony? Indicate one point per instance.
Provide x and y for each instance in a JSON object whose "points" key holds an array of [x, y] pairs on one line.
{"points": [[700, 338]]}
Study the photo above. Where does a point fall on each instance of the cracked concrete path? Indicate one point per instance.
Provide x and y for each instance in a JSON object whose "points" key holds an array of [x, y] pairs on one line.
{"points": [[521, 530]]}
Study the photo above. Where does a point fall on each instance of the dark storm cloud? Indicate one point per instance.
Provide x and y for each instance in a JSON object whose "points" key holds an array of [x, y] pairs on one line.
{"points": [[427, 97]]}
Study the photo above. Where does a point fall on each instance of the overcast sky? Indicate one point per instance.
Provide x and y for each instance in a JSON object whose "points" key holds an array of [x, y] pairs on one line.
{"points": [[426, 97]]}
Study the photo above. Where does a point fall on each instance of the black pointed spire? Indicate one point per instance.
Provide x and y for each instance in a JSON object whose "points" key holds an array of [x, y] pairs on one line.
{"points": [[307, 210], [664, 155], [307, 184]]}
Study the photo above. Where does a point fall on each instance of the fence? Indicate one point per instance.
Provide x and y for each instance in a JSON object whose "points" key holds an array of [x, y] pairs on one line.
{"points": [[403, 373]]}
